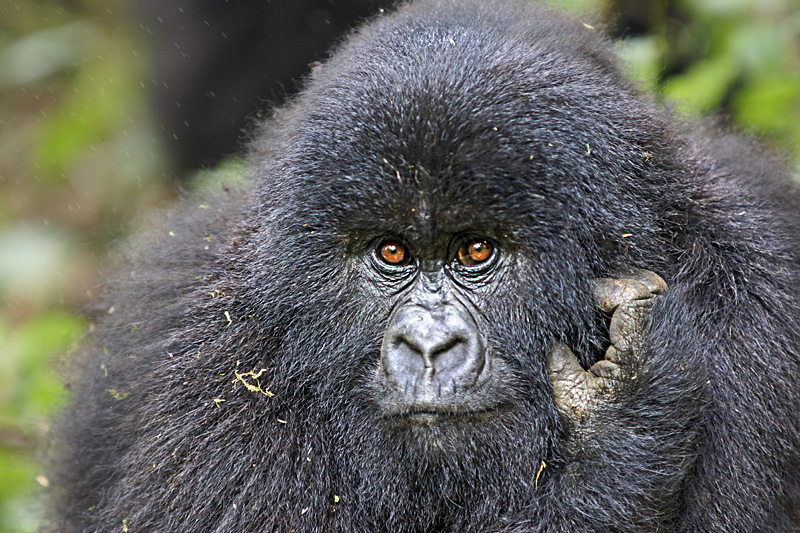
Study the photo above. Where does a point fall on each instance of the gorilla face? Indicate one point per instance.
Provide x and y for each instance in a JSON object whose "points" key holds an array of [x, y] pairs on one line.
{"points": [[441, 361], [453, 208], [433, 283], [433, 357]]}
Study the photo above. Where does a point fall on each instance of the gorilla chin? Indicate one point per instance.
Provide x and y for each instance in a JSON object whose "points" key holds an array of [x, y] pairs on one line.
{"points": [[475, 281]]}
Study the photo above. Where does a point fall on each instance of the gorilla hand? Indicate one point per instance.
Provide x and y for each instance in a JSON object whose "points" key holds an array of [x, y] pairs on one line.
{"points": [[578, 391]]}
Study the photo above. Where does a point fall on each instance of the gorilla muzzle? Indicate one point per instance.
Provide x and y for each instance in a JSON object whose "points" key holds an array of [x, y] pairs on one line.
{"points": [[432, 356]]}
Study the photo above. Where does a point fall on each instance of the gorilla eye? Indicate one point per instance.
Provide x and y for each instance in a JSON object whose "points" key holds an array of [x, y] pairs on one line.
{"points": [[474, 253], [392, 253]]}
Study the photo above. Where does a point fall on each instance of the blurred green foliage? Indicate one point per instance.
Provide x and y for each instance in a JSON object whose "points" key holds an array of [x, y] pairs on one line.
{"points": [[79, 158], [740, 58]]}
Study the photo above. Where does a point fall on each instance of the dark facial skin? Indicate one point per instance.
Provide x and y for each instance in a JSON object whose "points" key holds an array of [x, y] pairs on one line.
{"points": [[434, 357]]}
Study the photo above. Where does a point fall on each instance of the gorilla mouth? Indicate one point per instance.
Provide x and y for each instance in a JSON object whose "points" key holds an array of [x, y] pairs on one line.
{"points": [[430, 414]]}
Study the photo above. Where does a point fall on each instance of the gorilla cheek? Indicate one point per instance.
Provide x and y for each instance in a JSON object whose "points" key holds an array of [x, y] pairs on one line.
{"points": [[433, 360]]}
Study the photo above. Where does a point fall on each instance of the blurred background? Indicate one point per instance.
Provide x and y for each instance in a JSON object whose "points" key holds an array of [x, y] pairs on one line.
{"points": [[109, 108]]}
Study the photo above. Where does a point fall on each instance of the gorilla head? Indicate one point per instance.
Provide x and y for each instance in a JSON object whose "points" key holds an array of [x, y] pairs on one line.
{"points": [[449, 187], [358, 340]]}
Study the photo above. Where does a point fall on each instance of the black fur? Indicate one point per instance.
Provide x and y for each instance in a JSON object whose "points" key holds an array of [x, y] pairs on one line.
{"points": [[451, 116]]}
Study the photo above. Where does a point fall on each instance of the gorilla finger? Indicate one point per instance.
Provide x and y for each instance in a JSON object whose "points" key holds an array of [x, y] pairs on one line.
{"points": [[611, 293], [606, 369], [626, 329], [572, 385], [606, 376], [639, 285], [613, 355], [562, 365], [655, 283]]}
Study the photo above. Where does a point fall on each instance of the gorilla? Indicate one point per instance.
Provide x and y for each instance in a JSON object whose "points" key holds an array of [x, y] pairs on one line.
{"points": [[474, 281]]}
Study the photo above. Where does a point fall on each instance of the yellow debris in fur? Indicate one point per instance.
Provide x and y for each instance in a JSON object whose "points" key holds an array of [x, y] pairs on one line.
{"points": [[117, 395], [243, 377], [538, 474]]}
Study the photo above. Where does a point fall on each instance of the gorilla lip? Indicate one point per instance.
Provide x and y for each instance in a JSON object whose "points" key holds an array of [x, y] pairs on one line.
{"points": [[433, 414]]}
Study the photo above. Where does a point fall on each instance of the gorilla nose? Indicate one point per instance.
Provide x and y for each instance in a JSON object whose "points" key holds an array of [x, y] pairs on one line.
{"points": [[430, 355]]}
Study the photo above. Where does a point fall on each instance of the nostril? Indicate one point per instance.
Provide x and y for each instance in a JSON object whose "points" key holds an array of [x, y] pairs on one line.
{"points": [[410, 343], [458, 359], [436, 353], [403, 357], [445, 346], [454, 356]]}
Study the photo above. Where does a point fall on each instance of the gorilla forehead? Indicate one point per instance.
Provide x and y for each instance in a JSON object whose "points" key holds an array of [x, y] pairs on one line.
{"points": [[422, 205], [453, 108], [437, 78]]}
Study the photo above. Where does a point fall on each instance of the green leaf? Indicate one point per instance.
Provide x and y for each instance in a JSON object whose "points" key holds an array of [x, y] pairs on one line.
{"points": [[703, 86], [39, 55]]}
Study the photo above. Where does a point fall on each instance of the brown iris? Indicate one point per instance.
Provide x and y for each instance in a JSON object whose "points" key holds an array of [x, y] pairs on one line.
{"points": [[474, 253], [392, 253]]}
